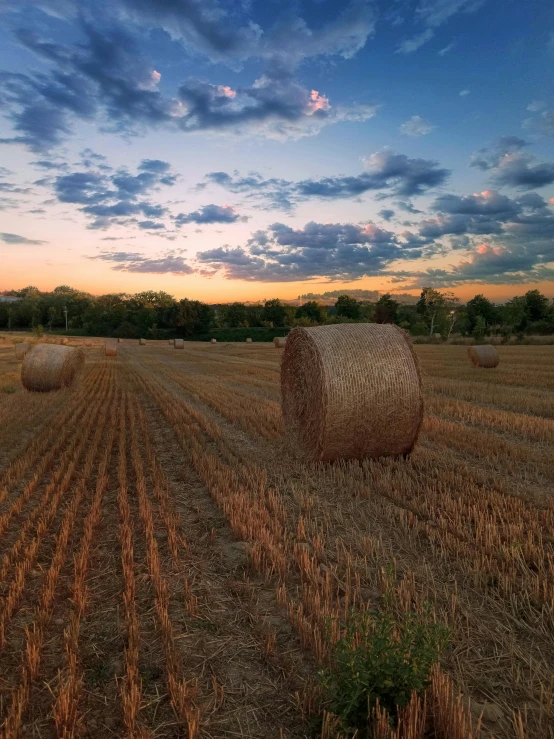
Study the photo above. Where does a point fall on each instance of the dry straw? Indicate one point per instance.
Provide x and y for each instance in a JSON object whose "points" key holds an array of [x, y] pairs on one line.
{"points": [[120, 341], [21, 349], [88, 343], [170, 341], [213, 341], [50, 367], [110, 349], [483, 356], [248, 341], [280, 342], [179, 344], [351, 391], [142, 342]]}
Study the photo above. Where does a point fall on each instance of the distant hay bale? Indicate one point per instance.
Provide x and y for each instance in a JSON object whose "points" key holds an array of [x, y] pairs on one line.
{"points": [[110, 349], [88, 343], [63, 342], [437, 337], [120, 341], [50, 367], [21, 349], [351, 391], [179, 343], [280, 342], [485, 355], [171, 341], [248, 341], [213, 341], [142, 342]]}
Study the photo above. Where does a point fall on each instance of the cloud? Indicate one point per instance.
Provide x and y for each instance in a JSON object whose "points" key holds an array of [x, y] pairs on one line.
{"points": [[210, 214], [334, 251], [169, 263], [464, 93], [542, 123], [446, 49], [386, 214], [416, 126], [150, 225], [433, 13], [508, 165], [106, 74], [109, 198], [17, 239]]}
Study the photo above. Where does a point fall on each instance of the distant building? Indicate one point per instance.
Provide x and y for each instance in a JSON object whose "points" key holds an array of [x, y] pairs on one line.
{"points": [[9, 299]]}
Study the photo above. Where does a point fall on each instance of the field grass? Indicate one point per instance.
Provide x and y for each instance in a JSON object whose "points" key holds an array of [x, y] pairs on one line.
{"points": [[168, 563]]}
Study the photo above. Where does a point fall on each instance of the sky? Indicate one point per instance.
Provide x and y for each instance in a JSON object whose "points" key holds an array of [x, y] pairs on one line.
{"points": [[242, 150]]}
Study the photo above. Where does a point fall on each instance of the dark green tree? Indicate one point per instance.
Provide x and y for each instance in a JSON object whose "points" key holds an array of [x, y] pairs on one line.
{"points": [[536, 305], [313, 311], [347, 307], [274, 312], [386, 309], [480, 306]]}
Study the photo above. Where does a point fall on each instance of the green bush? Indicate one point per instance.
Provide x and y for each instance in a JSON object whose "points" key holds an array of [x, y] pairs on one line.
{"points": [[380, 658], [38, 331]]}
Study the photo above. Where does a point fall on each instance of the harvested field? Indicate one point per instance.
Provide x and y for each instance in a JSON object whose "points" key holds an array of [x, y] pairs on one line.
{"points": [[168, 563]]}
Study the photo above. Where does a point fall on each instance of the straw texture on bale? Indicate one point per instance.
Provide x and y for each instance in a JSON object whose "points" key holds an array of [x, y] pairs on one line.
{"points": [[280, 342], [21, 349], [179, 344], [142, 342], [483, 356], [213, 341], [111, 349], [50, 367], [248, 341], [351, 391]]}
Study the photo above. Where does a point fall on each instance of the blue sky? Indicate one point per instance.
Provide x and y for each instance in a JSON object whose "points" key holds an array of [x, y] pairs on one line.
{"points": [[240, 149]]}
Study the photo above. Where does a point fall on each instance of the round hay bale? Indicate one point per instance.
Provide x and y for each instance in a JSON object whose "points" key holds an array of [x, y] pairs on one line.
{"points": [[64, 342], [120, 341], [88, 343], [179, 343], [142, 342], [170, 342], [485, 355], [248, 341], [280, 342], [351, 391], [110, 349], [21, 349], [213, 341], [50, 367]]}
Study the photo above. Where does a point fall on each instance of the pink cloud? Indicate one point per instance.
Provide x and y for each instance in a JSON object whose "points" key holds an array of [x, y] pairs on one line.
{"points": [[156, 77], [317, 102], [226, 91]]}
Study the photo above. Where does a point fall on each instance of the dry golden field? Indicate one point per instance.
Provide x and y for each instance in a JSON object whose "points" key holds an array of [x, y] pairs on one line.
{"points": [[168, 563]]}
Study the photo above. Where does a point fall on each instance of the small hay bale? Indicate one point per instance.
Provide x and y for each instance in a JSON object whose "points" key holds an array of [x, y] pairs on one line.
{"points": [[351, 391], [179, 343], [110, 350], [280, 342], [64, 342], [120, 341], [50, 367], [142, 342], [21, 349], [213, 341], [248, 341], [485, 355], [88, 343], [170, 342]]}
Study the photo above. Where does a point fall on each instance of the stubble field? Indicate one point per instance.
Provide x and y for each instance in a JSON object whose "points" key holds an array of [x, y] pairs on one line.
{"points": [[168, 563]]}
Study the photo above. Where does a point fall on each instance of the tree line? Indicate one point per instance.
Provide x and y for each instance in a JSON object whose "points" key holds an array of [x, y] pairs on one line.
{"points": [[159, 315]]}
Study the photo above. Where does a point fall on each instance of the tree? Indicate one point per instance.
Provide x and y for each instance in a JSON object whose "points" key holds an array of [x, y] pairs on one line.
{"points": [[274, 312], [433, 307], [235, 315], [536, 305], [480, 306], [386, 309], [479, 329], [51, 316], [313, 311], [347, 307], [194, 317]]}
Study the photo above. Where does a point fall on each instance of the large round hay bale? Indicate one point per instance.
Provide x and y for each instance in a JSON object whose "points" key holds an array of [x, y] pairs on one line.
{"points": [[88, 343], [351, 391], [213, 341], [142, 342], [485, 355], [21, 349], [280, 342], [248, 341], [110, 349], [179, 343], [50, 367]]}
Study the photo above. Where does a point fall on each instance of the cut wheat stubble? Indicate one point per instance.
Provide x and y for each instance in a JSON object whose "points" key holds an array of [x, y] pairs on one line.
{"points": [[351, 391]]}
